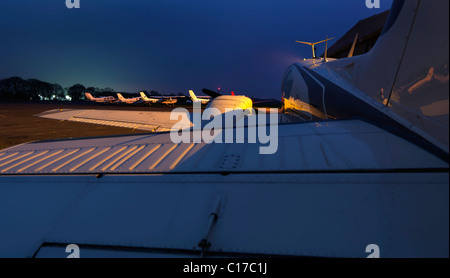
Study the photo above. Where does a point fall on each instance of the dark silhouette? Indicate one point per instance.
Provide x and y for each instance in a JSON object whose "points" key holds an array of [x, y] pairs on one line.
{"points": [[76, 92], [18, 89]]}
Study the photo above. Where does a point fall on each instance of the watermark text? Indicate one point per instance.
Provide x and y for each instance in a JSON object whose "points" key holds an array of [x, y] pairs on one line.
{"points": [[70, 4], [370, 4], [232, 126]]}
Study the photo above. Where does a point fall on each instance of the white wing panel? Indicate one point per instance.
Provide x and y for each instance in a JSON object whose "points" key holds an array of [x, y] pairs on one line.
{"points": [[142, 120], [333, 146]]}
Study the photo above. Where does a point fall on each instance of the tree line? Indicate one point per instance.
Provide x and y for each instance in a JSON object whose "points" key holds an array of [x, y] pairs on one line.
{"points": [[18, 89]]}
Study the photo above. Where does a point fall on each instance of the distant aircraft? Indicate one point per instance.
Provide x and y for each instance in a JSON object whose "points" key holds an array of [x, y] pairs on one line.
{"points": [[147, 99], [194, 98], [129, 100], [105, 99], [169, 101], [361, 170]]}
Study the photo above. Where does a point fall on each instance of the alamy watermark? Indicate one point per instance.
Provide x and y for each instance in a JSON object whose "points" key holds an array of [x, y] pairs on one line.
{"points": [[370, 4], [70, 4], [373, 250], [73, 250], [233, 126]]}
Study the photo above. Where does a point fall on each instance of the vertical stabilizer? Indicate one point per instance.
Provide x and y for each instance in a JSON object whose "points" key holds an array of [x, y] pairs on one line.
{"points": [[89, 96], [143, 96], [408, 68], [193, 96]]}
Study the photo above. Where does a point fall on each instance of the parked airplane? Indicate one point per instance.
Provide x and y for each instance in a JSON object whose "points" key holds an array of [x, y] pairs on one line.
{"points": [[376, 86], [194, 98], [169, 101], [147, 99], [373, 182], [129, 100], [105, 99]]}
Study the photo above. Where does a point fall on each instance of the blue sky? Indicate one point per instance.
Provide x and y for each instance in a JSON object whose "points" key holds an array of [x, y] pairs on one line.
{"points": [[168, 45]]}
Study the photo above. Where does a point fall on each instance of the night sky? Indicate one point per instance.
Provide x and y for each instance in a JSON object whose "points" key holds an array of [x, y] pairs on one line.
{"points": [[169, 46]]}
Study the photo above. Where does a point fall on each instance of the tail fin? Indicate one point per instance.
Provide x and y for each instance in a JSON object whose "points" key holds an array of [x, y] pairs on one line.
{"points": [[119, 95], [89, 96], [193, 96], [413, 45], [143, 96]]}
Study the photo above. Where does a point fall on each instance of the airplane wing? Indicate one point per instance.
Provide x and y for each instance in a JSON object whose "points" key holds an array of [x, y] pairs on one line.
{"points": [[141, 120], [145, 196], [168, 97], [325, 147]]}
